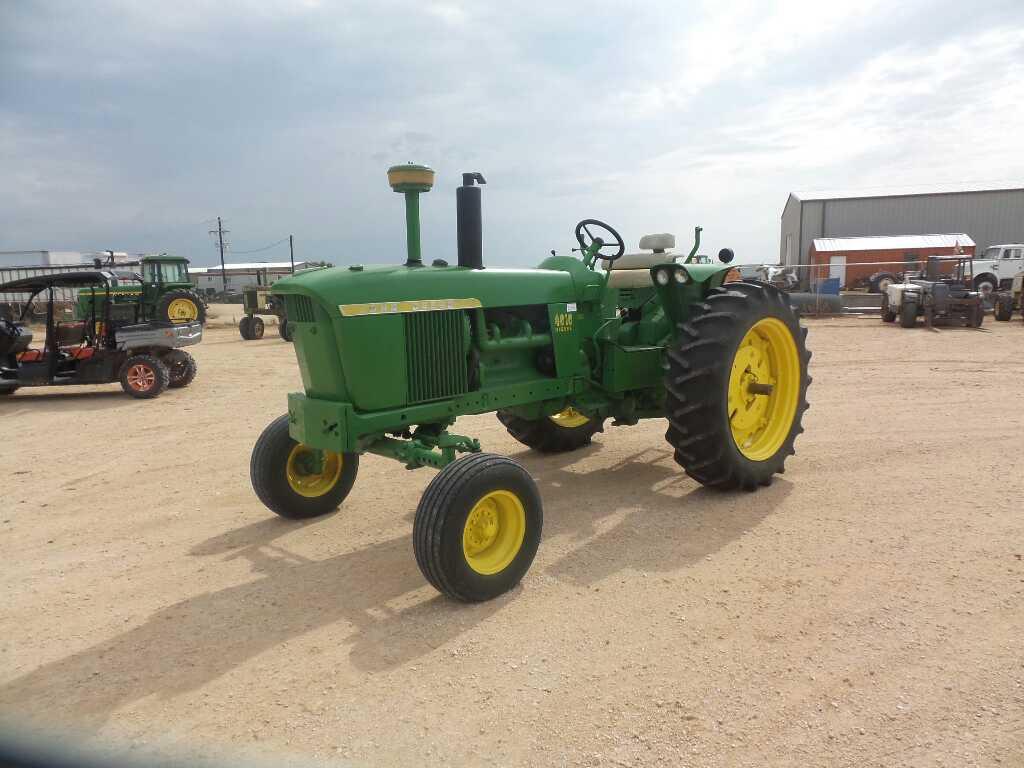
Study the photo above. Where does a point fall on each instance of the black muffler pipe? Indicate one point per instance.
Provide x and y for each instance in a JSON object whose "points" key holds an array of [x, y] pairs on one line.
{"points": [[470, 222]]}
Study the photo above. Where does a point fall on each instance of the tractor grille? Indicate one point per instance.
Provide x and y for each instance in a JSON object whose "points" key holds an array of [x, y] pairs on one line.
{"points": [[435, 353], [298, 308]]}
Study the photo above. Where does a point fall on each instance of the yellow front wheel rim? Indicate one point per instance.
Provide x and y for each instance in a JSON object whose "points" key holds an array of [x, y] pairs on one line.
{"points": [[312, 473], [764, 387], [494, 532], [569, 418], [182, 310]]}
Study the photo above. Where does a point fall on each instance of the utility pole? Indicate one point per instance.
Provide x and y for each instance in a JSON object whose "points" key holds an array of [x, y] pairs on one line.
{"points": [[220, 231], [291, 250]]}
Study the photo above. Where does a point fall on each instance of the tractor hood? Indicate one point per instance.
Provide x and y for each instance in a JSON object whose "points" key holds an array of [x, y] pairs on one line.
{"points": [[356, 290]]}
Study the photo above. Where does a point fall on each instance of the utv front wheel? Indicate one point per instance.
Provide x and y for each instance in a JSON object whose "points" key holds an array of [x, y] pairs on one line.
{"points": [[564, 431], [295, 480], [477, 527], [736, 387], [144, 376], [181, 368]]}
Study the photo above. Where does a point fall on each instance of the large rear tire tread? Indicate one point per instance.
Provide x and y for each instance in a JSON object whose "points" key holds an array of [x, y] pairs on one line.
{"points": [[545, 436], [699, 366], [268, 474], [441, 516], [164, 302]]}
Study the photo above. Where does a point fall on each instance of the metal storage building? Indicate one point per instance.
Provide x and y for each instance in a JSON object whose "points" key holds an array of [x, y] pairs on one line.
{"points": [[853, 260], [240, 275], [989, 215]]}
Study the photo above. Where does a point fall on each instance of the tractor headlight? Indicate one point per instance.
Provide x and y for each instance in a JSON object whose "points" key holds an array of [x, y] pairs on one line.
{"points": [[662, 277], [682, 276]]}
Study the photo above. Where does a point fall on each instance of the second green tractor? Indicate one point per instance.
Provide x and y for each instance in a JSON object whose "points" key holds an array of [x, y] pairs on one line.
{"points": [[391, 356]]}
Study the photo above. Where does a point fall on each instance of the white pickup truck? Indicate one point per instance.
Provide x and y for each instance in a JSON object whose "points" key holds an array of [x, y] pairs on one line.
{"points": [[996, 267]]}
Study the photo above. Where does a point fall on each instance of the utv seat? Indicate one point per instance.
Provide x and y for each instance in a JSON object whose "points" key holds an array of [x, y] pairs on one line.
{"points": [[31, 356], [633, 270]]}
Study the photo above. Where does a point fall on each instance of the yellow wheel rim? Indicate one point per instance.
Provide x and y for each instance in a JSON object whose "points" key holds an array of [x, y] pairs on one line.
{"points": [[311, 472], [569, 418], [494, 532], [182, 311], [764, 387]]}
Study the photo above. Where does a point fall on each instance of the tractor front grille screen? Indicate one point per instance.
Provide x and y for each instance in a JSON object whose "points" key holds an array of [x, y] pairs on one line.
{"points": [[435, 352], [298, 308]]}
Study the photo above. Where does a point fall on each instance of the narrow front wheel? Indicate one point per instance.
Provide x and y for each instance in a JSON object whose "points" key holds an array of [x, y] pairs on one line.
{"points": [[478, 527], [295, 480]]}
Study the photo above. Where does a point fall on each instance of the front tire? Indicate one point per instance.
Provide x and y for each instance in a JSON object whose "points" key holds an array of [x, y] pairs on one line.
{"points": [[888, 315], [181, 368], [908, 315], [1003, 310], [477, 527], [144, 376], [286, 329], [736, 387], [296, 481], [564, 431]]}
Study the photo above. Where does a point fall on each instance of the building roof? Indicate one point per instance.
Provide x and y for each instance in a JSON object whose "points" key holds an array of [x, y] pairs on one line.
{"points": [[250, 266], [907, 191], [892, 242]]}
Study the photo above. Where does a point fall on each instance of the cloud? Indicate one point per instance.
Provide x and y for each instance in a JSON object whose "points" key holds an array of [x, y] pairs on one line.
{"points": [[124, 126]]}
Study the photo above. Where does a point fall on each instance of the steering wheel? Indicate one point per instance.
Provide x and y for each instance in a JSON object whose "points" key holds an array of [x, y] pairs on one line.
{"points": [[583, 233]]}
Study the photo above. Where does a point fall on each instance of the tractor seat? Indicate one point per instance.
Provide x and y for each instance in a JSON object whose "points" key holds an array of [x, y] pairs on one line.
{"points": [[633, 270]]}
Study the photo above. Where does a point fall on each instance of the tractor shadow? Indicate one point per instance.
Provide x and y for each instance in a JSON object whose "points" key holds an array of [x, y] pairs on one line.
{"points": [[640, 513], [661, 520], [373, 598]]}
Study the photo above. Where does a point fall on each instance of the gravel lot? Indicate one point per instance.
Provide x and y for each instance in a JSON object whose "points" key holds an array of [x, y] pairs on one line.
{"points": [[865, 610]]}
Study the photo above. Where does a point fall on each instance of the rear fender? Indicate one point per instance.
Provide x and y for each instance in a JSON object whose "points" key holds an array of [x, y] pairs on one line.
{"points": [[687, 284]]}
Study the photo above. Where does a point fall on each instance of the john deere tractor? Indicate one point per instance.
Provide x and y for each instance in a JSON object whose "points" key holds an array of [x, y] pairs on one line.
{"points": [[391, 356], [158, 290]]}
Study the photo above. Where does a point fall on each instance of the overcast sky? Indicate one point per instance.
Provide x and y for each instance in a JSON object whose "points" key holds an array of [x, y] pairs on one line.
{"points": [[132, 125]]}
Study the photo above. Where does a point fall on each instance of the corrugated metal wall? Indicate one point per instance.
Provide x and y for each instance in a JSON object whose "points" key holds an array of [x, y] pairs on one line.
{"points": [[989, 218]]}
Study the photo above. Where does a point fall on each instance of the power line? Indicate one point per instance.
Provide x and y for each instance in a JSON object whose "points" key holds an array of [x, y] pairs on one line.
{"points": [[263, 248]]}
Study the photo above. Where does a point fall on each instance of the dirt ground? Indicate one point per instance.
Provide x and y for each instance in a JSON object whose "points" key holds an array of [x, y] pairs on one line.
{"points": [[865, 610]]}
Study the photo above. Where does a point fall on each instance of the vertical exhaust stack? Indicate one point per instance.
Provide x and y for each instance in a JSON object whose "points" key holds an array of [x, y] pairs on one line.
{"points": [[410, 180], [470, 221]]}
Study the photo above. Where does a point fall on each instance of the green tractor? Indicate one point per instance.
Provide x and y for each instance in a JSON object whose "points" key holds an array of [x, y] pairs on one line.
{"points": [[160, 292], [390, 356]]}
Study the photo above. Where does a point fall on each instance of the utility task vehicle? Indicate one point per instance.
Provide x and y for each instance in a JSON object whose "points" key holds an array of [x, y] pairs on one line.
{"points": [[144, 357], [1011, 299], [159, 291], [390, 356], [936, 293]]}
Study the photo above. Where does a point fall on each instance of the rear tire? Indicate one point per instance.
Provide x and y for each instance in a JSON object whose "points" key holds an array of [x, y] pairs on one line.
{"points": [[555, 434], [285, 481], [181, 368], [706, 409], [908, 315], [144, 376], [245, 328], [256, 328], [180, 306], [477, 527], [879, 281]]}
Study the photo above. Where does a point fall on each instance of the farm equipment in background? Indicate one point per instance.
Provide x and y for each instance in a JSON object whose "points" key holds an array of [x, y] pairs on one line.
{"points": [[160, 292], [940, 292], [258, 300], [1007, 301], [391, 356], [145, 358]]}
